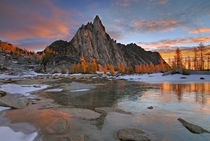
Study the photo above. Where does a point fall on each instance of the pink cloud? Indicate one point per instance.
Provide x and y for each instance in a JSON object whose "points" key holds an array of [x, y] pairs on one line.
{"points": [[200, 30], [156, 25], [163, 1], [167, 43], [125, 3], [34, 19]]}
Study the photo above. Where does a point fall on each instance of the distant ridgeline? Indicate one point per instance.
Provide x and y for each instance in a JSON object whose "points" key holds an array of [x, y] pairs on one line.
{"points": [[91, 42], [7, 48]]}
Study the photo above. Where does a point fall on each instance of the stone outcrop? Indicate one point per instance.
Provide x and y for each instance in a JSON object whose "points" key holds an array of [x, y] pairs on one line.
{"points": [[85, 114], [92, 42], [16, 101], [131, 134], [192, 127]]}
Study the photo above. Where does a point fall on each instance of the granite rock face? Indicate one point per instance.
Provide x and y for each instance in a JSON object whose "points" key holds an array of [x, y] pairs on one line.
{"points": [[92, 42]]}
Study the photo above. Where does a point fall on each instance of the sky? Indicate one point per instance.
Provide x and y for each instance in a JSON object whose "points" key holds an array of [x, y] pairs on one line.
{"points": [[152, 24]]}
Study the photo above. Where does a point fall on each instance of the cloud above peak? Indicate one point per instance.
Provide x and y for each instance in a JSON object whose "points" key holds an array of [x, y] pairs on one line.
{"points": [[164, 44], [125, 3], [156, 25], [200, 30], [34, 19]]}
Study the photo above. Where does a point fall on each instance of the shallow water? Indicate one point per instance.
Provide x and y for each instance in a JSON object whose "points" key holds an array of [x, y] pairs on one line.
{"points": [[189, 101]]}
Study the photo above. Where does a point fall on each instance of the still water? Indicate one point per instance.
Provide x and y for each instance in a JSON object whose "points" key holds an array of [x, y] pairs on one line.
{"points": [[190, 101]]}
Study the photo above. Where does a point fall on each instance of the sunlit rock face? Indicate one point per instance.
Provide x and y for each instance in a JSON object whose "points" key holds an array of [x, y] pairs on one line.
{"points": [[92, 42]]}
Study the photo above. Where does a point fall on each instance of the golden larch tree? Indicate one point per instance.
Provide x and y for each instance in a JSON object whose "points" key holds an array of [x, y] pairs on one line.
{"points": [[111, 69], [105, 69], [122, 68], [63, 70]]}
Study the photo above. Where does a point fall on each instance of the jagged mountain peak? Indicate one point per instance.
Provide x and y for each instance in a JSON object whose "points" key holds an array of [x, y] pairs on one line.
{"points": [[98, 24], [92, 42]]}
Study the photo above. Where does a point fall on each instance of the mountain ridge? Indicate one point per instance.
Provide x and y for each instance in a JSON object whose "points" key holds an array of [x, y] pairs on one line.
{"points": [[92, 42]]}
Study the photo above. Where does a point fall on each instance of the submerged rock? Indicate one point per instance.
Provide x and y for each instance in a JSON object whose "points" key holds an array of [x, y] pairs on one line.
{"points": [[16, 101], [81, 113], [192, 127], [150, 107], [131, 134], [105, 110], [60, 126]]}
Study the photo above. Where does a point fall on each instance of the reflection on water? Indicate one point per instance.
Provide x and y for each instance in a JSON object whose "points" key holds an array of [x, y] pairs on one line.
{"points": [[199, 90], [170, 101]]}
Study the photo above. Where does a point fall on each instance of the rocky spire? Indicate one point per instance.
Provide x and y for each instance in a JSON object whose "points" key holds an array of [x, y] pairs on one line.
{"points": [[98, 24]]}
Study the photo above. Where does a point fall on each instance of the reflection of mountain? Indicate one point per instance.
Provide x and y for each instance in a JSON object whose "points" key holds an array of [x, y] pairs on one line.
{"points": [[200, 90]]}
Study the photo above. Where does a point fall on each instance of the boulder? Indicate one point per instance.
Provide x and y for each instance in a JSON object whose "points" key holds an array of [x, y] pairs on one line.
{"points": [[2, 93], [150, 107], [81, 113], [192, 127], [16, 101], [105, 110], [131, 134]]}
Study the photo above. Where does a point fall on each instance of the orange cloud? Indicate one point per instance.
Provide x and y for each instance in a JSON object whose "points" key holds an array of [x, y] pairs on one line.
{"points": [[34, 19], [168, 43], [124, 3], [163, 1], [156, 25], [200, 30]]}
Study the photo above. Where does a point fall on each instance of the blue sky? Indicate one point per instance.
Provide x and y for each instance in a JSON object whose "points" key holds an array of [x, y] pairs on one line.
{"points": [[34, 24]]}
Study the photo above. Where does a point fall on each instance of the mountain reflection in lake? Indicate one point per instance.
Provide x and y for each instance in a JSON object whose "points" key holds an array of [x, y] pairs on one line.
{"points": [[170, 101]]}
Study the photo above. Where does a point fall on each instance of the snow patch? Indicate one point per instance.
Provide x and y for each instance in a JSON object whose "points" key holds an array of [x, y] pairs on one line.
{"points": [[21, 89], [4, 108], [80, 90], [8, 134], [54, 90], [158, 77]]}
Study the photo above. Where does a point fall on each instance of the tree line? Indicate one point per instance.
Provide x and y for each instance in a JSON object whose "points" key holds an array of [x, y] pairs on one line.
{"points": [[200, 60], [93, 67]]}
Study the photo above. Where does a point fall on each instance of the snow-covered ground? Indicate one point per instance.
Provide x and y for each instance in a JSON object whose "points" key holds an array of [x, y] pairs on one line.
{"points": [[158, 77], [7, 134], [4, 108], [26, 74], [154, 77], [21, 89]]}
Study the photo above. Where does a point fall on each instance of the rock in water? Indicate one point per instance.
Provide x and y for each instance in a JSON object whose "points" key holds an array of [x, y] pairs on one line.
{"points": [[131, 134], [16, 101], [150, 107], [92, 42], [2, 93], [81, 113], [60, 126], [192, 128]]}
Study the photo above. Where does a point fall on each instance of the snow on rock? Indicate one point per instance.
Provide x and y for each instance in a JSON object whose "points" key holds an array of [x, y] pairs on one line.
{"points": [[6, 76], [80, 90], [158, 77], [54, 90], [4, 108], [8, 134], [21, 89]]}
